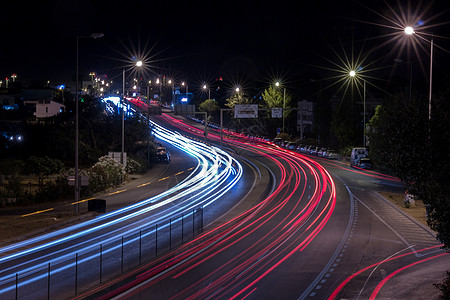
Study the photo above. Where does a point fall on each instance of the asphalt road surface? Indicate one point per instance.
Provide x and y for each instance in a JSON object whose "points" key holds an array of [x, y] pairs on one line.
{"points": [[292, 227], [315, 236]]}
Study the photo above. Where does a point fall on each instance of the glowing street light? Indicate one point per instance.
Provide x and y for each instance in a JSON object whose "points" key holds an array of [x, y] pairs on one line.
{"points": [[409, 30], [352, 74], [278, 84], [138, 64], [205, 87]]}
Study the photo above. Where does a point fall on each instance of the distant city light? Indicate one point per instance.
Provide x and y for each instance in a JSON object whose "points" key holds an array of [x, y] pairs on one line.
{"points": [[115, 100], [352, 73], [184, 99], [139, 63]]}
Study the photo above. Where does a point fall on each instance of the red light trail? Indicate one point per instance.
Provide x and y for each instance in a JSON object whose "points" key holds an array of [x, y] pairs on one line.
{"points": [[253, 244]]}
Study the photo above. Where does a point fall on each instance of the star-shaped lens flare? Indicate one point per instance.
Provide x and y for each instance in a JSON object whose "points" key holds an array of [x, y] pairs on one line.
{"points": [[409, 29], [138, 61]]}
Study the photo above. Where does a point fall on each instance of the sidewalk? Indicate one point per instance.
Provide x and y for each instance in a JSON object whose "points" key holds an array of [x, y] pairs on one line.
{"points": [[19, 223]]}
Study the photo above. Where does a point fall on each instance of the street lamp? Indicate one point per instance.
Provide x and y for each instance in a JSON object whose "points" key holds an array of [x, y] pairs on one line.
{"points": [[409, 30], [277, 84], [209, 90], [352, 74], [77, 179], [185, 84], [138, 64]]}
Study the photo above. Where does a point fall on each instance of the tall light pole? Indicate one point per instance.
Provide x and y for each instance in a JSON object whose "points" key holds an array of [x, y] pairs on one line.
{"points": [[277, 84], [139, 63], [352, 73], [209, 90], [77, 176], [409, 30]]}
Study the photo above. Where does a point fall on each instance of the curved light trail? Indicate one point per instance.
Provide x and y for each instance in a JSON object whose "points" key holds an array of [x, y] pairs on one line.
{"points": [[344, 283], [253, 244], [215, 174]]}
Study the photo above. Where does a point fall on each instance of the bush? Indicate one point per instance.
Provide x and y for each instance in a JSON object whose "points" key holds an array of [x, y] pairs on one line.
{"points": [[104, 174], [136, 166], [284, 136], [444, 287]]}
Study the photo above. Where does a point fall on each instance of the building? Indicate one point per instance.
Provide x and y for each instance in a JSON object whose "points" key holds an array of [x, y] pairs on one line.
{"points": [[48, 108], [42, 102]]}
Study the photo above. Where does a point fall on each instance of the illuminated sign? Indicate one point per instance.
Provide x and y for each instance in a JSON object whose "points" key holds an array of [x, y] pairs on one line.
{"points": [[246, 111]]}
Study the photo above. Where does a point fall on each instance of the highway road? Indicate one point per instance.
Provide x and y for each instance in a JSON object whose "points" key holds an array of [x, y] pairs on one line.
{"points": [[321, 232], [172, 211], [290, 227]]}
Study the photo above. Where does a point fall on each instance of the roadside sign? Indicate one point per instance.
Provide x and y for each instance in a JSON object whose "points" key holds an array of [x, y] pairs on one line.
{"points": [[117, 157], [277, 112], [246, 111], [83, 181]]}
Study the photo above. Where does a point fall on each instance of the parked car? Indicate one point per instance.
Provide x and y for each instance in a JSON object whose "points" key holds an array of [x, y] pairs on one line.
{"points": [[321, 152], [277, 141], [314, 150], [331, 154], [291, 146], [162, 154]]}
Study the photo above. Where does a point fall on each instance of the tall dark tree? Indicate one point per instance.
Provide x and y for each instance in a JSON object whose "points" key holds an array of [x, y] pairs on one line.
{"points": [[416, 149]]}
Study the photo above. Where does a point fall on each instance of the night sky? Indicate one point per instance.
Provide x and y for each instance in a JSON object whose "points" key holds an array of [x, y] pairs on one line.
{"points": [[195, 40]]}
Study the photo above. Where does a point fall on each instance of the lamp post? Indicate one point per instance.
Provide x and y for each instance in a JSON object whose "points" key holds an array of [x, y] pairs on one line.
{"points": [[352, 73], [277, 84], [138, 64], [409, 30], [209, 90], [185, 84], [77, 176]]}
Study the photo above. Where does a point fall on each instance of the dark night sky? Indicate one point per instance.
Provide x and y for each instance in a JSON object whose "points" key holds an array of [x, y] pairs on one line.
{"points": [[193, 40]]}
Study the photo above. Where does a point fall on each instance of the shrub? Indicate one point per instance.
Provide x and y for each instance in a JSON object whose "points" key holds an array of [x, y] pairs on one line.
{"points": [[136, 166], [444, 287]]}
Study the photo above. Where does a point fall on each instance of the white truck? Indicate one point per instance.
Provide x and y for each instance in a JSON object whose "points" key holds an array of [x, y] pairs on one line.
{"points": [[357, 154]]}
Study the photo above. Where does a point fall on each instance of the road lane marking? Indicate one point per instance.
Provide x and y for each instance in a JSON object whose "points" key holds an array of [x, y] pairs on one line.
{"points": [[165, 178], [81, 201], [37, 212], [144, 184], [117, 192], [179, 173]]}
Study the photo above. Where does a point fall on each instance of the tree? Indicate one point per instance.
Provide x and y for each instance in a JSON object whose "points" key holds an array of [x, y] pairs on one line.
{"points": [[237, 98], [43, 167], [274, 97], [210, 106], [416, 150]]}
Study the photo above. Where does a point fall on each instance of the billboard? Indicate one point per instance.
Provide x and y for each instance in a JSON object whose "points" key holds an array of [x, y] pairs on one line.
{"points": [[249, 111]]}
